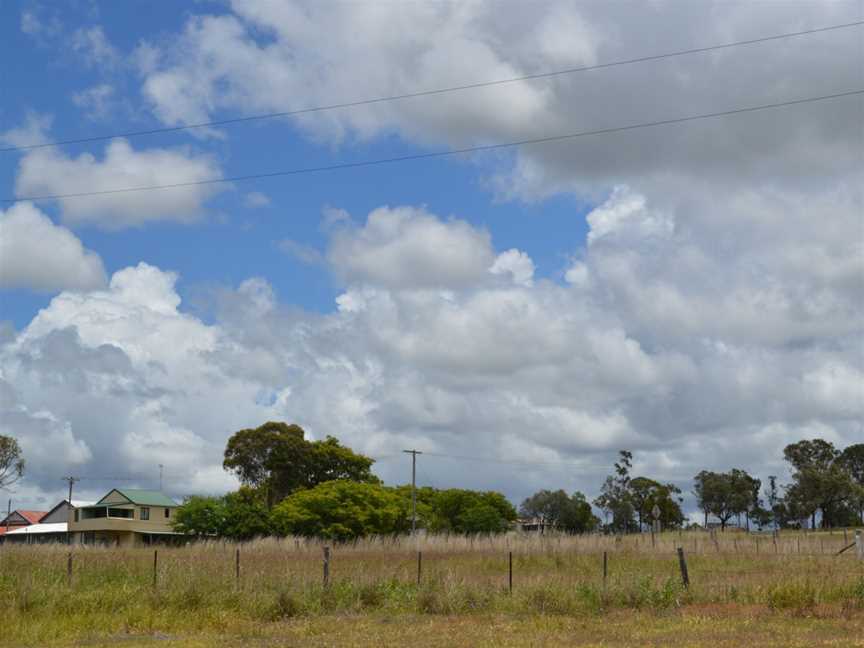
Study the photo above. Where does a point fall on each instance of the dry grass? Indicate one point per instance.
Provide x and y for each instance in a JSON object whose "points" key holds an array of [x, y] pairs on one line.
{"points": [[374, 595]]}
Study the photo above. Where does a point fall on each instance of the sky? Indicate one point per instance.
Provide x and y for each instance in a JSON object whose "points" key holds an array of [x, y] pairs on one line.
{"points": [[692, 292]]}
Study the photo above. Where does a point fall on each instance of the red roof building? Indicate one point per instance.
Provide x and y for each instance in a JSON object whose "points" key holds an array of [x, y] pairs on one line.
{"points": [[19, 518]]}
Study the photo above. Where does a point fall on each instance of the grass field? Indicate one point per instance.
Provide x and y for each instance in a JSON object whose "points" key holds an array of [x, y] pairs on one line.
{"points": [[744, 590]]}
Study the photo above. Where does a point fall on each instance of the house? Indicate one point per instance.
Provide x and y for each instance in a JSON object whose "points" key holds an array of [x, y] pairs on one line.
{"points": [[124, 517], [19, 519], [52, 526]]}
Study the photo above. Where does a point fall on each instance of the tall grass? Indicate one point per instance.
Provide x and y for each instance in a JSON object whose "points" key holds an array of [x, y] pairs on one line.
{"points": [[111, 590]]}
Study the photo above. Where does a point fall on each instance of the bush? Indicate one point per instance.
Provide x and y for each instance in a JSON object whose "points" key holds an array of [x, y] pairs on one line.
{"points": [[341, 510], [792, 596]]}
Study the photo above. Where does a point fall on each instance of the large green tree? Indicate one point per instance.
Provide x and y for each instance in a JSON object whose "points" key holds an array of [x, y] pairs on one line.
{"points": [[726, 495], [647, 493], [342, 510], [11, 461], [241, 515], [715, 496], [821, 482], [852, 460], [277, 459], [558, 510], [200, 516], [465, 511]]}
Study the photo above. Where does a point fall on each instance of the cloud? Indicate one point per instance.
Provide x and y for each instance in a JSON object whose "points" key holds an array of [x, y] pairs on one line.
{"points": [[121, 378], [303, 253], [266, 56], [256, 199], [37, 255], [51, 172], [405, 247], [666, 341], [515, 263], [95, 101], [33, 131], [95, 48]]}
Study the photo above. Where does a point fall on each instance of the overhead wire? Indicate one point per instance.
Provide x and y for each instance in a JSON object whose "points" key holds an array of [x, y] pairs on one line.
{"points": [[514, 462], [437, 154], [431, 92]]}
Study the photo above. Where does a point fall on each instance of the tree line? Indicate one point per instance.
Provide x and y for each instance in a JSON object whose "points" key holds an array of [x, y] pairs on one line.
{"points": [[293, 486]]}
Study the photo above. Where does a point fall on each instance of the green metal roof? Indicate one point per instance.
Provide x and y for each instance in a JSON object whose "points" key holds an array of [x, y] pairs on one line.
{"points": [[143, 497]]}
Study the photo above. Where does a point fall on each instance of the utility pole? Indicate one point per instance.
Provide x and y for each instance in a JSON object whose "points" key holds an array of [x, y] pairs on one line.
{"points": [[413, 454], [161, 467], [8, 514], [71, 481]]}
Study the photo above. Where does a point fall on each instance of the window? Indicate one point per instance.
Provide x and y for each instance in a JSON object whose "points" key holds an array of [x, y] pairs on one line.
{"points": [[145, 513], [76, 515], [121, 513], [167, 513]]}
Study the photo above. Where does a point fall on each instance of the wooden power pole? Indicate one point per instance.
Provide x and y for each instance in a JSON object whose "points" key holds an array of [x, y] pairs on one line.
{"points": [[71, 481], [413, 454]]}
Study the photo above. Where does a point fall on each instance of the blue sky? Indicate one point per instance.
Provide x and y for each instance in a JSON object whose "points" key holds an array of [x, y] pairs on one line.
{"points": [[233, 241], [692, 292]]}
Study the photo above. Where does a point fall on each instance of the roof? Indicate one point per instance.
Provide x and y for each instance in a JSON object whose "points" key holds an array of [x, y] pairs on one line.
{"points": [[29, 517], [142, 497], [56, 527]]}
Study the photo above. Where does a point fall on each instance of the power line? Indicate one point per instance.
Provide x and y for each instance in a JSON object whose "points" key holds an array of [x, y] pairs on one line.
{"points": [[435, 154], [426, 93], [515, 462]]}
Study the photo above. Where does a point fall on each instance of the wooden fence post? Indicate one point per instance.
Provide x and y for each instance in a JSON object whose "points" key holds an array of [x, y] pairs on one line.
{"points": [[237, 568], [510, 576], [155, 562], [419, 565], [69, 569], [682, 563], [605, 568], [326, 566]]}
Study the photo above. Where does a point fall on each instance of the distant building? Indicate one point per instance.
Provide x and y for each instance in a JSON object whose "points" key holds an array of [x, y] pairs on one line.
{"points": [[124, 517], [18, 519], [52, 526]]}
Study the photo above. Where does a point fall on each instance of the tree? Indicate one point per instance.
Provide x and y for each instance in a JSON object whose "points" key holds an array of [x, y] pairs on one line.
{"points": [[245, 515], [277, 459], [775, 505], [199, 516], [241, 515], [745, 494], [615, 498], [820, 481], [715, 495], [465, 511], [558, 510], [647, 493], [342, 510], [577, 516], [546, 506], [11, 461], [852, 460], [256, 455]]}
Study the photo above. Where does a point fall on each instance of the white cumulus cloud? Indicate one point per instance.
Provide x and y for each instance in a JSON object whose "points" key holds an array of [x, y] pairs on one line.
{"points": [[47, 172], [38, 255]]}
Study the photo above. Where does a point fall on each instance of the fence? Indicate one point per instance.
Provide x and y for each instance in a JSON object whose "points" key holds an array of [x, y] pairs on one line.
{"points": [[705, 561]]}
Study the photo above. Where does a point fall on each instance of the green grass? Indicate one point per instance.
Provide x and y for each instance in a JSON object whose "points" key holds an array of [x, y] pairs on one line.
{"points": [[280, 590]]}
